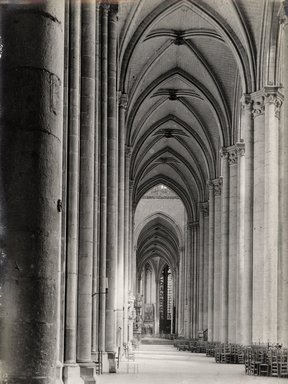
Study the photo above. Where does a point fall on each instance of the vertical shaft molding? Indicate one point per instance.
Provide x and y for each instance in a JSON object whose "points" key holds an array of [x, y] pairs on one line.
{"points": [[87, 127], [112, 182]]}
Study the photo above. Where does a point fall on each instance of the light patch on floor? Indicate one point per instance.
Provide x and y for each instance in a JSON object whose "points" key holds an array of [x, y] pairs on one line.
{"points": [[161, 364]]}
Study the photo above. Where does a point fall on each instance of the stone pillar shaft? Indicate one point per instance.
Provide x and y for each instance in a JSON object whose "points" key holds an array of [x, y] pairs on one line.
{"points": [[87, 126], [126, 243], [246, 288], [30, 188], [232, 286], [121, 201], [195, 279], [103, 178], [96, 223], [189, 279], [283, 190], [206, 266], [217, 258], [73, 185], [240, 148], [224, 248], [201, 268], [258, 215], [211, 264], [271, 199], [112, 187]]}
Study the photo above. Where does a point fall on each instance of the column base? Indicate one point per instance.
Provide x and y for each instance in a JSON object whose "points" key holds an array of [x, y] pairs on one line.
{"points": [[71, 374], [105, 362], [112, 362], [88, 373], [59, 368]]}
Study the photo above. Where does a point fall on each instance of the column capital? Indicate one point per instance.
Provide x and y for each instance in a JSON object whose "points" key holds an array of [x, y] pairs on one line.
{"points": [[204, 208], [223, 153], [232, 155], [273, 96], [240, 148], [283, 13], [217, 186], [105, 6], [192, 224], [246, 102], [128, 151], [113, 11], [131, 184], [210, 185], [258, 103], [123, 100], [267, 95]]}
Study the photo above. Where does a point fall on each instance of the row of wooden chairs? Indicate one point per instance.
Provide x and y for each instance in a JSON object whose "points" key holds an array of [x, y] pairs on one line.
{"points": [[229, 354], [266, 362], [197, 346]]}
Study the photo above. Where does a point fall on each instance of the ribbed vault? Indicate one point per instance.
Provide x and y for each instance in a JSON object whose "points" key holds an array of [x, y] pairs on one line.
{"points": [[181, 98], [158, 239]]}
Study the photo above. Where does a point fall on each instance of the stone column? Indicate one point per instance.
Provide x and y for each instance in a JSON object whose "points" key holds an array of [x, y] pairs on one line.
{"points": [[206, 265], [62, 261], [126, 242], [240, 149], [211, 264], [217, 257], [31, 156], [121, 223], [86, 216], [273, 102], [241, 267], [201, 267], [283, 189], [130, 233], [157, 307], [71, 369], [247, 276], [112, 188], [181, 294], [103, 176], [189, 279], [97, 178], [258, 215], [224, 248], [232, 286], [195, 277]]}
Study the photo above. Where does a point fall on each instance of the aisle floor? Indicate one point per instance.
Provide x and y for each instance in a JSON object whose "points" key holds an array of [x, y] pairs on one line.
{"points": [[163, 364]]}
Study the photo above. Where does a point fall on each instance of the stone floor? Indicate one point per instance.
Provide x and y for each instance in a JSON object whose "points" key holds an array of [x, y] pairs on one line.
{"points": [[163, 364]]}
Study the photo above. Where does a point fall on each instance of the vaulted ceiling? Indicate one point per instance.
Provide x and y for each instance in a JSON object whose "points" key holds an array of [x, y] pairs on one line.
{"points": [[184, 66], [159, 243]]}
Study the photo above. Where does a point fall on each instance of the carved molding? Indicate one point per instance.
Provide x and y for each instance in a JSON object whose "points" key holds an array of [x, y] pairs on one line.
{"points": [[217, 186]]}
